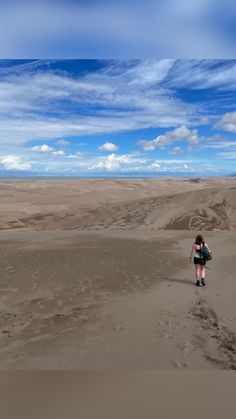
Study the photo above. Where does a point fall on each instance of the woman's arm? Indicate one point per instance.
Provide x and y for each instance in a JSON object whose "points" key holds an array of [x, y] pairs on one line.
{"points": [[192, 251]]}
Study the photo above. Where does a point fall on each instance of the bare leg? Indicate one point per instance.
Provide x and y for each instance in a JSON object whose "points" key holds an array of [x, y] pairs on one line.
{"points": [[203, 271], [198, 273]]}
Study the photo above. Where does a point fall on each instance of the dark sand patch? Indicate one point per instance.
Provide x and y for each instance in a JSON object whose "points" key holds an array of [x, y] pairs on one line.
{"points": [[215, 334], [52, 296]]}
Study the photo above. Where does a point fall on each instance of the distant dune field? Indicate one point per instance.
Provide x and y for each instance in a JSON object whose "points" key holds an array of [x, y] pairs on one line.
{"points": [[168, 203]]}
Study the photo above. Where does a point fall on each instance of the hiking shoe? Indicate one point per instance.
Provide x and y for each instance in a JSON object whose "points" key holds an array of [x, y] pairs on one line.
{"points": [[203, 282], [198, 283]]}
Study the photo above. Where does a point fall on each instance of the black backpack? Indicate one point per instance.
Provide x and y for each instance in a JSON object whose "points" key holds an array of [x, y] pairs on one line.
{"points": [[205, 254]]}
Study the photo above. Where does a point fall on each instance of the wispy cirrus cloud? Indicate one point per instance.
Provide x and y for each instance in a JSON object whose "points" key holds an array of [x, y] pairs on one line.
{"points": [[218, 143], [114, 99], [229, 155], [121, 96], [202, 74], [48, 107]]}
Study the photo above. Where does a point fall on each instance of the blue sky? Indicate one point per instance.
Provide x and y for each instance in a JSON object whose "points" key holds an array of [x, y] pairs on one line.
{"points": [[117, 117], [124, 28]]}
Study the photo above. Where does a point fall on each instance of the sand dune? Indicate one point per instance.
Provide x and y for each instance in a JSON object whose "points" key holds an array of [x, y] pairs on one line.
{"points": [[207, 209], [187, 204], [95, 274], [116, 300]]}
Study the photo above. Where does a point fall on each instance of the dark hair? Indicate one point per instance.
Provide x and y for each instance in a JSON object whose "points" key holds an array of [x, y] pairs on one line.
{"points": [[199, 239]]}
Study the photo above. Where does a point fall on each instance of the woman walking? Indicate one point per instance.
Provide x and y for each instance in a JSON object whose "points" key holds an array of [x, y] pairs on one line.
{"points": [[198, 260]]}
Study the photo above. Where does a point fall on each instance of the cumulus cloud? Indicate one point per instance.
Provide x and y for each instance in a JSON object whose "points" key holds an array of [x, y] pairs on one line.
{"points": [[129, 163], [124, 163], [154, 166], [228, 122], [108, 147], [14, 163], [44, 148], [115, 162], [47, 149], [111, 162], [170, 137]]}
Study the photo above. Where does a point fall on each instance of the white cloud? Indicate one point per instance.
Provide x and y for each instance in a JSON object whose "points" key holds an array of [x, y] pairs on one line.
{"points": [[218, 143], [179, 161], [108, 147], [186, 166], [47, 149], [116, 162], [150, 72], [14, 163], [228, 122], [43, 148], [154, 166], [231, 155], [203, 74], [72, 156], [77, 155], [175, 151], [170, 137], [63, 143], [33, 104], [110, 163], [58, 153]]}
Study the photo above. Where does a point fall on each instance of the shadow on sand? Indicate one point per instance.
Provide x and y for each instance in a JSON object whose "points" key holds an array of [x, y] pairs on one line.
{"points": [[180, 281]]}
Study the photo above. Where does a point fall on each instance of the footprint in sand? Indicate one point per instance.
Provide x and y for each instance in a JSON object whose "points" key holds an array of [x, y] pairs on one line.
{"points": [[181, 364], [187, 347]]}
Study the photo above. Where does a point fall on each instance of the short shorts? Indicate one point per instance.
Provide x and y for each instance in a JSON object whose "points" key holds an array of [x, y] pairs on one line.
{"points": [[198, 261]]}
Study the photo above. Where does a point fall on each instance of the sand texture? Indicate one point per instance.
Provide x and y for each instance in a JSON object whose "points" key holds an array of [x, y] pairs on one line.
{"points": [[106, 283], [169, 204]]}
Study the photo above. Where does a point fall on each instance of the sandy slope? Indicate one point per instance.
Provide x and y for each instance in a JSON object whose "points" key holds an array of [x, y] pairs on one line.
{"points": [[115, 299], [124, 204], [104, 281], [206, 209]]}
